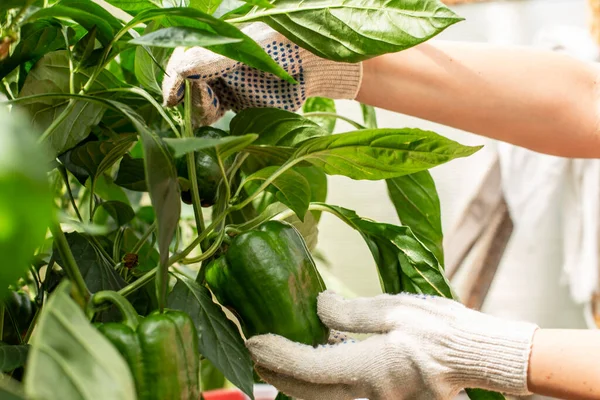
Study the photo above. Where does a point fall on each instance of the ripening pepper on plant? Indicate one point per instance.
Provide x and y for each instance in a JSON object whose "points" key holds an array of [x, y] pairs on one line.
{"points": [[160, 349], [269, 279]]}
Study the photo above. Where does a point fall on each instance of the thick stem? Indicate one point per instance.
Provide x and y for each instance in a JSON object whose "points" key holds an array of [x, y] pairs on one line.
{"points": [[69, 264], [130, 316], [209, 252]]}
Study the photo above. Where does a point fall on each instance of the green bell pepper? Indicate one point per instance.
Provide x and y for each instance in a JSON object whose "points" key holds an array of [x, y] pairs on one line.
{"points": [[268, 278], [160, 349]]}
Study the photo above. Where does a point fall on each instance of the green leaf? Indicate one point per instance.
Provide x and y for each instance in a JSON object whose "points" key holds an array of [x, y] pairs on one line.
{"points": [[418, 206], [480, 394], [26, 205], [272, 155], [355, 30], [219, 338], [182, 36], [70, 359], [10, 389], [51, 75], [281, 396], [206, 6], [182, 146], [161, 178], [247, 51], [259, 3], [293, 189], [369, 116], [97, 271], [107, 190], [147, 72], [133, 7], [321, 104], [380, 153], [317, 180], [275, 126], [37, 39], [131, 174], [122, 213], [307, 228], [404, 264], [84, 48], [97, 157], [12, 357]]}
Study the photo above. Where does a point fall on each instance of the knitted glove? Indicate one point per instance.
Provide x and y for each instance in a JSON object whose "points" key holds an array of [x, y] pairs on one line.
{"points": [[221, 84], [422, 348]]}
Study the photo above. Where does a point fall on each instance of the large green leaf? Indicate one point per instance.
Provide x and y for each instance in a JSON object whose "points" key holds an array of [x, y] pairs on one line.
{"points": [[418, 206], [247, 51], [291, 188], [355, 30], [480, 394], [275, 126], [26, 205], [321, 104], [37, 39], [182, 36], [218, 338], [161, 179], [131, 174], [51, 75], [70, 359], [404, 264], [12, 357], [98, 272], [380, 153]]}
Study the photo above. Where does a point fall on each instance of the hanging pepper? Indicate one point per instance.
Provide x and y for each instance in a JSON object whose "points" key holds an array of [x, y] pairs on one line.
{"points": [[269, 279], [160, 349]]}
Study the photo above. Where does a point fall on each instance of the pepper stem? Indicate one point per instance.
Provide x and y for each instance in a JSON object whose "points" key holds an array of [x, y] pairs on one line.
{"points": [[130, 316]]}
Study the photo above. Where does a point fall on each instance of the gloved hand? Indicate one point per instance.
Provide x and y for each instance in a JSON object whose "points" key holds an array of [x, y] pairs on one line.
{"points": [[221, 84], [422, 348]]}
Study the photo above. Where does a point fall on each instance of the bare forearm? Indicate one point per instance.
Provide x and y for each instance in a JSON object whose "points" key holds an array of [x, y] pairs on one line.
{"points": [[564, 364], [540, 100]]}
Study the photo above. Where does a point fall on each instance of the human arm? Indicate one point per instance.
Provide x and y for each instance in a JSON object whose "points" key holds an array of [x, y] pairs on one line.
{"points": [[565, 364], [427, 348], [541, 100]]}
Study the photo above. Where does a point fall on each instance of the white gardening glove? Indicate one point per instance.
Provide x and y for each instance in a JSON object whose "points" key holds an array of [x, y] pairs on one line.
{"points": [[221, 84], [422, 348]]}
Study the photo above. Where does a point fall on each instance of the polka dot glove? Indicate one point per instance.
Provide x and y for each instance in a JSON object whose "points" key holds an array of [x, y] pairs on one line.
{"points": [[420, 348], [221, 84]]}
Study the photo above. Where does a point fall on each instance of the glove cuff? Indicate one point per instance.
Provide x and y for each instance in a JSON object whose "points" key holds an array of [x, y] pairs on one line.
{"points": [[493, 356], [332, 79]]}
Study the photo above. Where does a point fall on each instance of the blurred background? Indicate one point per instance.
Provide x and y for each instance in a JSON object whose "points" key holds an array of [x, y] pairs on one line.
{"points": [[530, 282]]}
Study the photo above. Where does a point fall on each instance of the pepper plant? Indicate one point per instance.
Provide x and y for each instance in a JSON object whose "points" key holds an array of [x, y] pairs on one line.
{"points": [[114, 210]]}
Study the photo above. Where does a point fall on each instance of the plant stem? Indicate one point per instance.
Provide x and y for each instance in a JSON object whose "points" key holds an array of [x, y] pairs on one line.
{"points": [[69, 264], [132, 287], [211, 250], [334, 115], [190, 160], [70, 56], [145, 236], [225, 179], [32, 325], [63, 172]]}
